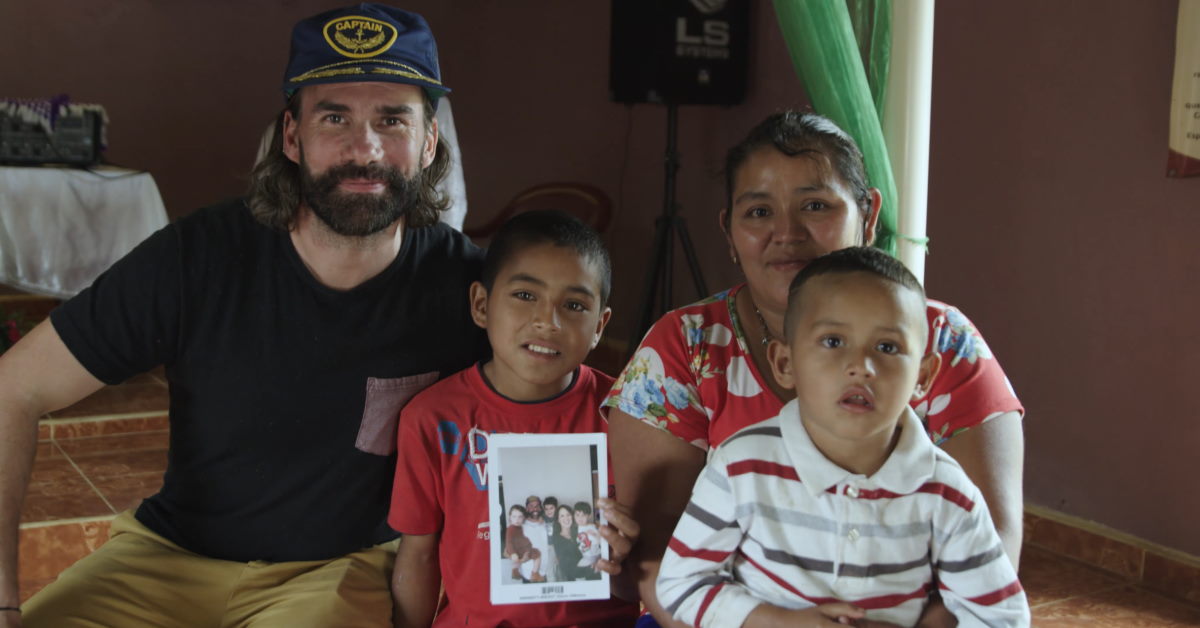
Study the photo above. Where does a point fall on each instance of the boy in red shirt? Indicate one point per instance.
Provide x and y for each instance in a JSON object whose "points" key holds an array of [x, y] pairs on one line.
{"points": [[543, 301]]}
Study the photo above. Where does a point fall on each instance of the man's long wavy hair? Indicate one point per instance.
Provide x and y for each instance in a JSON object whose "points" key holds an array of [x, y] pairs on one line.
{"points": [[274, 192]]}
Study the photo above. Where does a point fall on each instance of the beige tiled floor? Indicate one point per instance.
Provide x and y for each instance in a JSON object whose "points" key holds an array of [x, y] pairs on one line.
{"points": [[94, 459], [106, 453], [1063, 592]]}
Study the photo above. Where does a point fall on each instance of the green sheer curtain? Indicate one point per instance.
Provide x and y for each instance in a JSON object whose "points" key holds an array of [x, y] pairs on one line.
{"points": [[846, 77], [872, 24]]}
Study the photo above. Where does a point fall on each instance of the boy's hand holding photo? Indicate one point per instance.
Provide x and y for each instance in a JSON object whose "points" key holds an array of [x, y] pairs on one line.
{"points": [[620, 531]]}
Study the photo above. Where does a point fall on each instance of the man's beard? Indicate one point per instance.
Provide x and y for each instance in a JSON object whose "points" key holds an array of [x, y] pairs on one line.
{"points": [[358, 215]]}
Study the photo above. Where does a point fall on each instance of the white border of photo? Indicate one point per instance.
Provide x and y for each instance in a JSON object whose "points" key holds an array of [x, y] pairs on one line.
{"points": [[503, 591]]}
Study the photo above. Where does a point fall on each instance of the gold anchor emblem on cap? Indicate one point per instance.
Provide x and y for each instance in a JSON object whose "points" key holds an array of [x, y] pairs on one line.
{"points": [[358, 44]]}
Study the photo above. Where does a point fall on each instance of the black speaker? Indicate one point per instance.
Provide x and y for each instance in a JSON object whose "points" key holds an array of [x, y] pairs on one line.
{"points": [[683, 52]]}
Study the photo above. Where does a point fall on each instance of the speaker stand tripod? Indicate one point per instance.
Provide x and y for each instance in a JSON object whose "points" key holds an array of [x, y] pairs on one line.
{"points": [[666, 226]]}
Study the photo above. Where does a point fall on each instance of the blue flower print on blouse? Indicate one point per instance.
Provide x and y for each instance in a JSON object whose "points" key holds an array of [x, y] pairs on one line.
{"points": [[677, 393], [959, 336], [642, 396]]}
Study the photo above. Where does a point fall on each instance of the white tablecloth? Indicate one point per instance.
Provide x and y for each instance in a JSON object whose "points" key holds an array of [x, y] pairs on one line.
{"points": [[60, 227]]}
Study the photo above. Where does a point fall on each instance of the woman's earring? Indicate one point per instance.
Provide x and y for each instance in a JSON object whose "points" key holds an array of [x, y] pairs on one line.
{"points": [[735, 259]]}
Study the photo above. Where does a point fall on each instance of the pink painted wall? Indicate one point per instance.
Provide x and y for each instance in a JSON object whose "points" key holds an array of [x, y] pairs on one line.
{"points": [[1053, 226]]}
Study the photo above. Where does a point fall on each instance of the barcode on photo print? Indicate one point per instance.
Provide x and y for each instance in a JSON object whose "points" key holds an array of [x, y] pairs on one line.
{"points": [[549, 590]]}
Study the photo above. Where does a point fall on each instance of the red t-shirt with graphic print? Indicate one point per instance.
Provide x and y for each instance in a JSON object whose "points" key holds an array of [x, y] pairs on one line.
{"points": [[441, 487]]}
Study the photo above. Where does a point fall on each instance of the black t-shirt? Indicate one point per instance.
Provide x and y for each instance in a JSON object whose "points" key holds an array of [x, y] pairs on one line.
{"points": [[284, 392]]}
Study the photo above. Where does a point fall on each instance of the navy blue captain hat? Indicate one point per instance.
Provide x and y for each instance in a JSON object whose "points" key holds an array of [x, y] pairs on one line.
{"points": [[365, 43]]}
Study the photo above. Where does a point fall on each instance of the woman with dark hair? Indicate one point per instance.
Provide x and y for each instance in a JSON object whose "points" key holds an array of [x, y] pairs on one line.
{"points": [[565, 545], [796, 189]]}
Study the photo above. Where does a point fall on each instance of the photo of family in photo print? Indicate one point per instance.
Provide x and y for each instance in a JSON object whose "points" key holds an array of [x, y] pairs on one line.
{"points": [[542, 492]]}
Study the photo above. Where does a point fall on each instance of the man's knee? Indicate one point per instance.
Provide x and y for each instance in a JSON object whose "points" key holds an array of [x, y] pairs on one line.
{"points": [[352, 591], [135, 579]]}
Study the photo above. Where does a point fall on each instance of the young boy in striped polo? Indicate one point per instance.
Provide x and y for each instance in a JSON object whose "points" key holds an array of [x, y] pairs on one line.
{"points": [[840, 508]]}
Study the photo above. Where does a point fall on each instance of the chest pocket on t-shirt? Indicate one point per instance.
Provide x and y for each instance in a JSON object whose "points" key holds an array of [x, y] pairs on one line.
{"points": [[385, 398]]}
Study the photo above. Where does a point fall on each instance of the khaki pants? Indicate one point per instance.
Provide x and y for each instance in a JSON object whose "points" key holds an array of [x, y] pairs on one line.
{"points": [[138, 578]]}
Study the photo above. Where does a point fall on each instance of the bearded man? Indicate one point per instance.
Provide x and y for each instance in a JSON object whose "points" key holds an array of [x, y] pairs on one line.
{"points": [[292, 326]]}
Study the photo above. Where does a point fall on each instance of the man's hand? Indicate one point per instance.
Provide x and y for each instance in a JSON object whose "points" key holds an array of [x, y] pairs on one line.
{"points": [[621, 532]]}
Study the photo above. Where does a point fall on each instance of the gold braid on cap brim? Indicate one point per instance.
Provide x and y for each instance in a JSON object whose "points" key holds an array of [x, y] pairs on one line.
{"points": [[333, 70]]}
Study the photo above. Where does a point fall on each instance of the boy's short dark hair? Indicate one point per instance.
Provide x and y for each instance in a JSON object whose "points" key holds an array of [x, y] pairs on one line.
{"points": [[547, 226], [519, 508], [550, 501], [856, 259], [583, 507]]}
